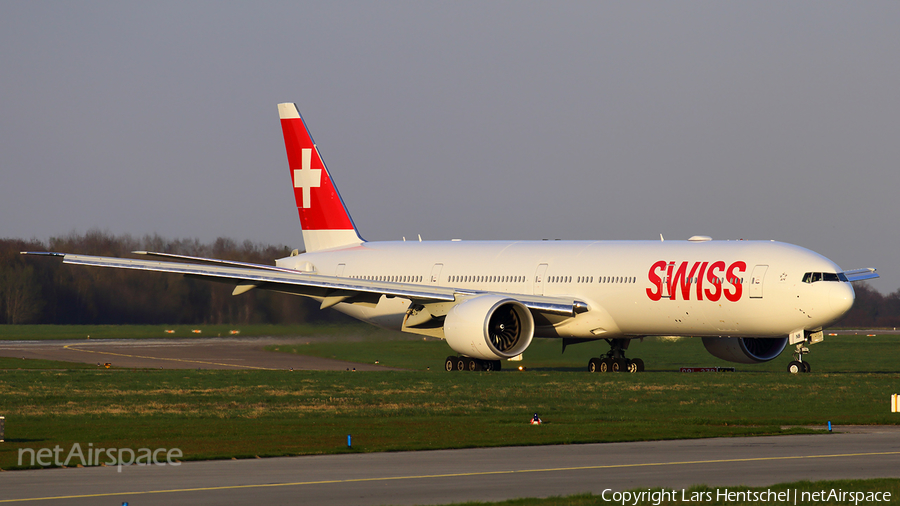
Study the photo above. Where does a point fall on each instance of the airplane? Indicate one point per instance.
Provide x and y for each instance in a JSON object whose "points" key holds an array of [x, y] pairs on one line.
{"points": [[746, 300]]}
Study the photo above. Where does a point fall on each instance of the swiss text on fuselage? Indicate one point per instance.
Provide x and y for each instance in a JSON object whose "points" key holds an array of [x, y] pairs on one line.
{"points": [[696, 280]]}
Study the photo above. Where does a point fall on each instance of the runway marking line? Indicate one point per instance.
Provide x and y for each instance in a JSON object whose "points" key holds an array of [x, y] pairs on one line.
{"points": [[449, 475], [67, 347]]}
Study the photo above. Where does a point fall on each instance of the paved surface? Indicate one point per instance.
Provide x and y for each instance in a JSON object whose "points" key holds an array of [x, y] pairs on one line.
{"points": [[205, 353], [486, 474]]}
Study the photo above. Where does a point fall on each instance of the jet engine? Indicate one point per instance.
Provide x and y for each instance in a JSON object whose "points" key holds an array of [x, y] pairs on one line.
{"points": [[745, 350], [489, 327]]}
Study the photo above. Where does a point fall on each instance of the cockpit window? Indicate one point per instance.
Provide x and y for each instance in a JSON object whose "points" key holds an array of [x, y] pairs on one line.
{"points": [[812, 277]]}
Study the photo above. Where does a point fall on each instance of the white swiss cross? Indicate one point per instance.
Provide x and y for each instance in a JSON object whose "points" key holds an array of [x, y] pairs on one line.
{"points": [[306, 177]]}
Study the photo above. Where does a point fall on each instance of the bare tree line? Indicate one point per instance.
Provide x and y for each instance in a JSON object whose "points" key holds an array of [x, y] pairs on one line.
{"points": [[872, 309], [42, 290]]}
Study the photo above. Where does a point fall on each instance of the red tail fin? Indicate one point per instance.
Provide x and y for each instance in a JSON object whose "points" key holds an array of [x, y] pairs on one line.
{"points": [[324, 218]]}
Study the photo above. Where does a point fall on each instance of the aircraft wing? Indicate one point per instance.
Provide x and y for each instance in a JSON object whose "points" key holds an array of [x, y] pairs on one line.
{"points": [[861, 274], [332, 290]]}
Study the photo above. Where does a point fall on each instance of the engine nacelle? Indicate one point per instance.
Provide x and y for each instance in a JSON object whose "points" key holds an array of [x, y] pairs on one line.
{"points": [[489, 327], [745, 350]]}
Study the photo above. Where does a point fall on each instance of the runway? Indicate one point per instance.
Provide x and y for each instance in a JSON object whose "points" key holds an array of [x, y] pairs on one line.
{"points": [[205, 353], [484, 474]]}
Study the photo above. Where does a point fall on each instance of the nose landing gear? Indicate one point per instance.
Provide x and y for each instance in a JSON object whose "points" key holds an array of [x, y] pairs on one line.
{"points": [[798, 365], [802, 339]]}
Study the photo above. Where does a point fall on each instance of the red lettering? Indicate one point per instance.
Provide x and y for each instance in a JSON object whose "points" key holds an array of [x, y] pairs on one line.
{"points": [[656, 280], [734, 279], [683, 279], [669, 290], [666, 280], [713, 277], [700, 280]]}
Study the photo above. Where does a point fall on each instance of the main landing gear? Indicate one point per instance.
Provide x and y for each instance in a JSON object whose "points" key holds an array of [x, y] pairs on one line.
{"points": [[614, 360], [470, 364]]}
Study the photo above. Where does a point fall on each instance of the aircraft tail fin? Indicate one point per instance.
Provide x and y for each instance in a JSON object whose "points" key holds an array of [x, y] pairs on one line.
{"points": [[324, 218]]}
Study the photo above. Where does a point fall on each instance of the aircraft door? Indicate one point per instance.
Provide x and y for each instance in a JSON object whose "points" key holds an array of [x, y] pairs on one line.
{"points": [[436, 273], [539, 279], [340, 270], [756, 281]]}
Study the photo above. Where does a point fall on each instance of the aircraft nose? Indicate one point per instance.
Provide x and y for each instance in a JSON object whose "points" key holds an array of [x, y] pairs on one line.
{"points": [[841, 299]]}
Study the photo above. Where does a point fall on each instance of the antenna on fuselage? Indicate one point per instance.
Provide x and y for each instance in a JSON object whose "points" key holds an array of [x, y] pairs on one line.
{"points": [[661, 238]]}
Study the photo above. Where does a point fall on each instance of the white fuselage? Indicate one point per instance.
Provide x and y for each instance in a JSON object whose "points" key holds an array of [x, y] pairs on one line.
{"points": [[632, 288]]}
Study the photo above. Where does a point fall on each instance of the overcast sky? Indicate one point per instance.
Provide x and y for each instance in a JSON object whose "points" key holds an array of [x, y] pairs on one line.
{"points": [[473, 120]]}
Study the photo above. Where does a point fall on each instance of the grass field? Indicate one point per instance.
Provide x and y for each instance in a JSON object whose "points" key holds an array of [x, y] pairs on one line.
{"points": [[18, 363], [221, 414], [225, 414]]}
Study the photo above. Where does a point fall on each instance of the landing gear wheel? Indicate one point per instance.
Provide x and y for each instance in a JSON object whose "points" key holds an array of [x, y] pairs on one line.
{"points": [[640, 364], [806, 367], [460, 363], [450, 364], [594, 365], [496, 366], [620, 365], [606, 364], [635, 365], [473, 364], [795, 367]]}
